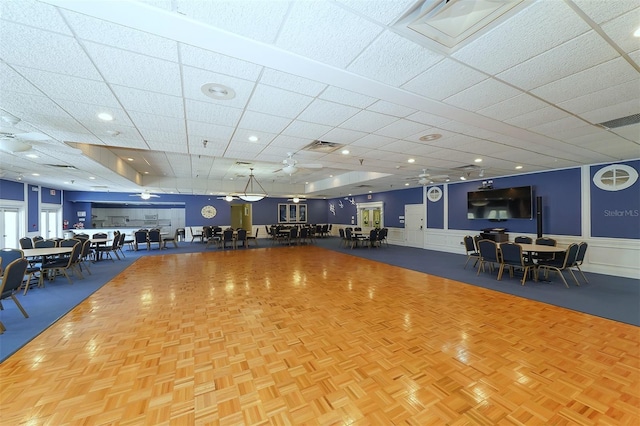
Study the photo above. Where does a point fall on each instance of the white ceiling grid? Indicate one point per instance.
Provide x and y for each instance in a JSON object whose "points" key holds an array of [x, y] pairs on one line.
{"points": [[528, 92]]}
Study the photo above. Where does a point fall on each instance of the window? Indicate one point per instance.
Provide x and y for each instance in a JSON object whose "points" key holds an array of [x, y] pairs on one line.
{"points": [[615, 177], [292, 213]]}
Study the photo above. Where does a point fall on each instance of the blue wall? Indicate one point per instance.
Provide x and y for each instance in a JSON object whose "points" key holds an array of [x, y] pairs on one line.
{"points": [[435, 211], [344, 211], [561, 202], [615, 214], [33, 208], [50, 196], [10, 190]]}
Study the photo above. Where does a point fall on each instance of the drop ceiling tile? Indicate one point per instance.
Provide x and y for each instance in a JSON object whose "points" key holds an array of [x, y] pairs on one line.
{"points": [[390, 108], [401, 129], [144, 100], [222, 64], [102, 32], [34, 14], [383, 11], [88, 113], [195, 78], [44, 50], [576, 55], [291, 143], [621, 29], [380, 60], [537, 117], [214, 113], [134, 143], [552, 128], [603, 10], [530, 32], [427, 119], [14, 82], [345, 136], [620, 110], [564, 135], [373, 141], [233, 16], [264, 138], [291, 82], [327, 42], [635, 56], [271, 100], [367, 121], [263, 122], [303, 129], [631, 132], [327, 113], [155, 137], [603, 76], [135, 70], [151, 121], [603, 98], [346, 97], [513, 107], [482, 95], [238, 149], [430, 82], [199, 131]]}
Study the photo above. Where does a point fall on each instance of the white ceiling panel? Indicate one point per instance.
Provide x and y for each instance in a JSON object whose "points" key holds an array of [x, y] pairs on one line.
{"points": [[267, 99], [482, 95], [151, 121], [263, 122], [621, 29], [380, 60], [34, 14], [291, 143], [291, 82], [602, 11], [209, 131], [612, 112], [214, 113], [560, 62], [367, 121], [207, 60], [144, 100], [537, 117], [327, 113], [344, 136], [383, 11], [427, 118], [428, 83], [540, 27], [402, 128], [513, 107], [628, 91], [373, 141], [631, 132], [14, 82], [389, 108], [608, 74], [307, 130], [315, 30], [347, 97]]}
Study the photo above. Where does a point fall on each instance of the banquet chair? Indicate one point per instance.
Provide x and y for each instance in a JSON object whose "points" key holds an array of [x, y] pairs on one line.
{"points": [[140, 237], [227, 237], [26, 243], [241, 236], [65, 264], [12, 279], [373, 238], [108, 249], [523, 240], [45, 244], [488, 254], [544, 241], [254, 238], [511, 256], [85, 255], [472, 251], [171, 239], [154, 238], [582, 250], [383, 236], [561, 263], [196, 234]]}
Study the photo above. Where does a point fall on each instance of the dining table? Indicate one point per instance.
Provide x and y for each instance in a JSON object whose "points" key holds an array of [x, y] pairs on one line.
{"points": [[46, 251]]}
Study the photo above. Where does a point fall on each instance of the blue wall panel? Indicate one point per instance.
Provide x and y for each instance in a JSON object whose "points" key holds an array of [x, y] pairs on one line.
{"points": [[33, 208], [435, 212], [615, 214], [561, 200], [10, 190], [50, 196]]}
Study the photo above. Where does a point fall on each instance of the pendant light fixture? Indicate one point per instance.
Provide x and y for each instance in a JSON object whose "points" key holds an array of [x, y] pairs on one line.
{"points": [[249, 193]]}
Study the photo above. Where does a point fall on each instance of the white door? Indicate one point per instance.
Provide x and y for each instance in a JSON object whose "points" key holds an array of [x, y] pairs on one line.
{"points": [[414, 217], [9, 225], [49, 224]]}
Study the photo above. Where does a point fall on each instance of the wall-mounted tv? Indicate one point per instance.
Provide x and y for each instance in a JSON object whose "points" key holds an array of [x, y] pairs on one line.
{"points": [[500, 204]]}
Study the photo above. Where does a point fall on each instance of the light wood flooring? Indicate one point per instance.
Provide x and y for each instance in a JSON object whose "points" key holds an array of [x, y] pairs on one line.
{"points": [[303, 335]]}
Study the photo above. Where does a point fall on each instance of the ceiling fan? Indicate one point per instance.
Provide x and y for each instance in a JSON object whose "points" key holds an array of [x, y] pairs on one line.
{"points": [[297, 199], [145, 195], [425, 178], [291, 165], [228, 198]]}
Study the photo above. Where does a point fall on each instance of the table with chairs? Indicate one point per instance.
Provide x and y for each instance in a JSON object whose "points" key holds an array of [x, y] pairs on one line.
{"points": [[529, 256]]}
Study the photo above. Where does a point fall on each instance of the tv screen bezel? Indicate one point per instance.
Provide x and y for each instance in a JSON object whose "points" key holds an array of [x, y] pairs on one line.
{"points": [[486, 195]]}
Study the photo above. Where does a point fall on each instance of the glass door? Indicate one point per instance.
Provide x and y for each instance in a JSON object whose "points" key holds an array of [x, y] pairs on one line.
{"points": [[49, 227], [9, 224]]}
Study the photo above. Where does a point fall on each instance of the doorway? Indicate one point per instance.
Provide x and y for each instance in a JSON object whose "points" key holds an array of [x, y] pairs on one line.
{"points": [[9, 224], [241, 216], [414, 216], [50, 223], [370, 216]]}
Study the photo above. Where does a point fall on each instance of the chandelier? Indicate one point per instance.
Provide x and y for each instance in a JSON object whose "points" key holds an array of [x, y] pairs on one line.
{"points": [[249, 193]]}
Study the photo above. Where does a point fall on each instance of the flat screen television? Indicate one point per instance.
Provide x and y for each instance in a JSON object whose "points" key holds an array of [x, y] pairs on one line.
{"points": [[500, 204]]}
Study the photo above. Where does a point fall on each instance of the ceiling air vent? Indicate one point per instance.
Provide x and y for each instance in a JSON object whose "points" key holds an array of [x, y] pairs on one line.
{"points": [[621, 122], [62, 166], [322, 146], [243, 163]]}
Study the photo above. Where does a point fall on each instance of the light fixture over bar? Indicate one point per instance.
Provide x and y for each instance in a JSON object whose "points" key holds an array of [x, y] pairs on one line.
{"points": [[249, 194]]}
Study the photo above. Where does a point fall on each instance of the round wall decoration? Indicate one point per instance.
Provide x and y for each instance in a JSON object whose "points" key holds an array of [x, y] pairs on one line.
{"points": [[434, 194], [208, 212]]}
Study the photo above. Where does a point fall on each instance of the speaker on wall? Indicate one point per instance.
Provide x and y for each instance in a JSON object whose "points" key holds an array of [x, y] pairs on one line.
{"points": [[539, 215]]}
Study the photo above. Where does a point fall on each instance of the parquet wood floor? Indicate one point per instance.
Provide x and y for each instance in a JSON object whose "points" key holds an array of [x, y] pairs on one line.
{"points": [[303, 335]]}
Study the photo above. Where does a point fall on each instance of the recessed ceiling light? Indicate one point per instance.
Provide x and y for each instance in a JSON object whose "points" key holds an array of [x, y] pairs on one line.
{"points": [[345, 151], [32, 156], [430, 137], [636, 33], [463, 178], [113, 132], [411, 160], [330, 175], [478, 160], [306, 183], [146, 173], [518, 167], [218, 91], [35, 174], [92, 178], [406, 184], [105, 116], [129, 159], [253, 139]]}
